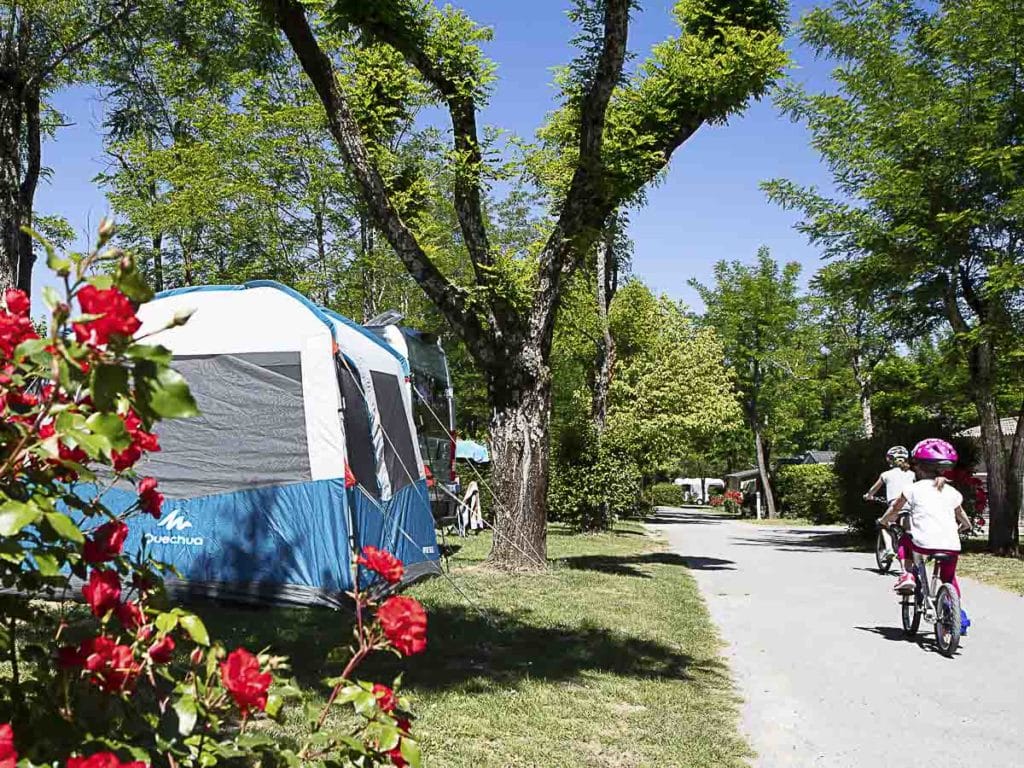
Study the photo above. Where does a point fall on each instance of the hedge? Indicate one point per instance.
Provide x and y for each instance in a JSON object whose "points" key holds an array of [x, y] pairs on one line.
{"points": [[809, 491], [861, 461], [665, 495]]}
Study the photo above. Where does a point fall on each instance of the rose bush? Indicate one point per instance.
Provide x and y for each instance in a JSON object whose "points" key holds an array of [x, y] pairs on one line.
{"points": [[134, 681]]}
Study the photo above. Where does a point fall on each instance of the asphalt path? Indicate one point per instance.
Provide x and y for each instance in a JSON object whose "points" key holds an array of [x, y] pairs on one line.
{"points": [[819, 655]]}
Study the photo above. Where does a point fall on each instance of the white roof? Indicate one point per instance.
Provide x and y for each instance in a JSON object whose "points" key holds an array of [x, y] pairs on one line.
{"points": [[1007, 426]]}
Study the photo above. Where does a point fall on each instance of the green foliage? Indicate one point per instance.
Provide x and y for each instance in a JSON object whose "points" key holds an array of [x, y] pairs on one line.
{"points": [[664, 495], [671, 394], [594, 491], [808, 491], [861, 461]]}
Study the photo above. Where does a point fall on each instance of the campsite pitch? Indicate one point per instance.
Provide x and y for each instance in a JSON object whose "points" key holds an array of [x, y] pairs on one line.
{"points": [[608, 659]]}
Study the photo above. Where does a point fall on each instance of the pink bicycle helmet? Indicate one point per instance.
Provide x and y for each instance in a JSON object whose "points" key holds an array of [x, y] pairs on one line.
{"points": [[935, 451]]}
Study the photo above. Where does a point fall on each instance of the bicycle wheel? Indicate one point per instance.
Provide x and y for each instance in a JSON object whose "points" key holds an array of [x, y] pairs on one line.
{"points": [[882, 557], [947, 620], [911, 614]]}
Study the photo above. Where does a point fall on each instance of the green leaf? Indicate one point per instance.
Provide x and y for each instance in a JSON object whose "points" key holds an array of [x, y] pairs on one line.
{"points": [[170, 397], [166, 622], [153, 352], [187, 712], [55, 263], [64, 527], [273, 708], [195, 628], [15, 515], [364, 702], [102, 282], [110, 426], [107, 383], [47, 563], [412, 753], [134, 286], [50, 296]]}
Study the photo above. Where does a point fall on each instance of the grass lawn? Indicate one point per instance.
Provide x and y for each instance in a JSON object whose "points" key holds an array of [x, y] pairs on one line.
{"points": [[1005, 572], [607, 659]]}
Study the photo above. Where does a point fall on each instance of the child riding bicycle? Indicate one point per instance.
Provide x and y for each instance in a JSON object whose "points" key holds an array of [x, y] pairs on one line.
{"points": [[936, 514], [894, 479]]}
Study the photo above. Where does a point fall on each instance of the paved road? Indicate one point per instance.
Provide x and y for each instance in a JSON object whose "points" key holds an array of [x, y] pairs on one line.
{"points": [[817, 648]]}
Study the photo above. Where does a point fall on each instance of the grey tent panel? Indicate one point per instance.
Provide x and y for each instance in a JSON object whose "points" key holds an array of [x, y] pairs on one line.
{"points": [[399, 451], [251, 431], [358, 440]]}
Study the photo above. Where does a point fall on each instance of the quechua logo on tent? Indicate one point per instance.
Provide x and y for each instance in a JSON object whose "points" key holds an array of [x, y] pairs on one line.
{"points": [[175, 523]]}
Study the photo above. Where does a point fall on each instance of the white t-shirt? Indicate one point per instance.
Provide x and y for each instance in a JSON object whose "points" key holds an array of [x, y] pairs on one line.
{"points": [[933, 515], [896, 480]]}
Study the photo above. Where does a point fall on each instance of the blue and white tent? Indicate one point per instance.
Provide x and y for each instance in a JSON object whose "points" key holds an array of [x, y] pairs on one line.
{"points": [[256, 501]]}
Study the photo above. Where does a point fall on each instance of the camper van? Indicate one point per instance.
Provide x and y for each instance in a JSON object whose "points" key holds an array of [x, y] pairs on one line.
{"points": [[433, 403]]}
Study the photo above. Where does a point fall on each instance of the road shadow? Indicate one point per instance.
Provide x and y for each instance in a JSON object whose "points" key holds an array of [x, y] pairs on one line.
{"points": [[922, 639], [889, 574], [797, 540], [468, 650], [685, 516], [626, 565]]}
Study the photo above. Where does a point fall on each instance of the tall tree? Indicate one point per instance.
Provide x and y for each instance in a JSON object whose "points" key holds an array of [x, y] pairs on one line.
{"points": [[855, 331], [616, 132], [756, 311], [43, 45], [925, 143]]}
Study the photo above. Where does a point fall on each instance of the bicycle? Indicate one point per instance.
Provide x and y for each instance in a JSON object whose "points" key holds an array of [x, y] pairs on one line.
{"points": [[936, 602], [884, 555]]}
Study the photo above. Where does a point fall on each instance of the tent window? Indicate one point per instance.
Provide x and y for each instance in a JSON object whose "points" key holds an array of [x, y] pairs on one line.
{"points": [[251, 430], [358, 441], [399, 451]]}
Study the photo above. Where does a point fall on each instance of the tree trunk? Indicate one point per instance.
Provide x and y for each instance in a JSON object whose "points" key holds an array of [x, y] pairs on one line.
{"points": [[865, 412], [11, 215], [605, 363], [762, 471], [27, 190], [519, 470], [158, 262]]}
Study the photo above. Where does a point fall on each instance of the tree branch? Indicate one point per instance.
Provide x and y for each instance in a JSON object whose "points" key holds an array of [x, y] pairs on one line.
{"points": [[453, 301], [74, 47], [587, 202]]}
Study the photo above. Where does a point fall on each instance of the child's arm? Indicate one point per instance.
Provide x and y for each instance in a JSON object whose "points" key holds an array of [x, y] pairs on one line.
{"points": [[963, 519], [893, 512], [873, 489]]}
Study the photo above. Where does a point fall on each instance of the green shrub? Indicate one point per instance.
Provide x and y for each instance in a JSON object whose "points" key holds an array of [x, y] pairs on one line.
{"points": [[861, 461], [810, 491], [665, 495], [592, 496]]}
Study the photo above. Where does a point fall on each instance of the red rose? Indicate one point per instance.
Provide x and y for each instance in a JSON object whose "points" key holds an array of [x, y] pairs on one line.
{"points": [[103, 760], [116, 316], [404, 726], [242, 677], [383, 563], [103, 592], [385, 698], [150, 499], [14, 329], [141, 441], [69, 657], [162, 650], [113, 667], [8, 755], [106, 542], [404, 623], [396, 757], [17, 302], [130, 615]]}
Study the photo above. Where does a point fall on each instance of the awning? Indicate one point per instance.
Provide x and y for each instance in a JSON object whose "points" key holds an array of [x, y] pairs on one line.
{"points": [[471, 450]]}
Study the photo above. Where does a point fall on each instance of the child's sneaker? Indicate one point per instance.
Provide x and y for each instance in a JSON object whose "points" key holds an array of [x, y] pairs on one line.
{"points": [[905, 583], [964, 622]]}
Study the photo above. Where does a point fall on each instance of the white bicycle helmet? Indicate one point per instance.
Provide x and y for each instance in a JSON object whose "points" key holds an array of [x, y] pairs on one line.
{"points": [[896, 453]]}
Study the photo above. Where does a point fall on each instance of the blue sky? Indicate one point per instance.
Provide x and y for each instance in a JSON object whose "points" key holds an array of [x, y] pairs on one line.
{"points": [[709, 208]]}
